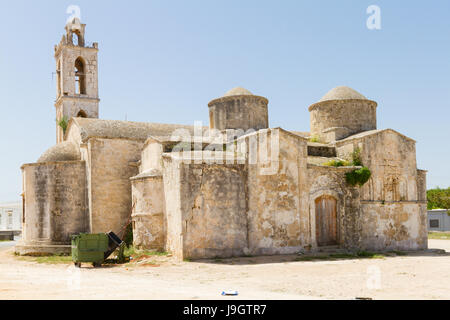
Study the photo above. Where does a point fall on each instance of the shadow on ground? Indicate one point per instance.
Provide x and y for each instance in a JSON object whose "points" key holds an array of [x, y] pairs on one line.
{"points": [[322, 256]]}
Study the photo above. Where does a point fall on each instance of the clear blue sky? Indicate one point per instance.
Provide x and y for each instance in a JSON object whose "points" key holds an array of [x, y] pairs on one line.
{"points": [[163, 61]]}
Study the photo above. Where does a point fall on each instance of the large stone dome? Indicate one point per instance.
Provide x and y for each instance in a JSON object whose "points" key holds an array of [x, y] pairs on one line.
{"points": [[239, 109], [342, 93], [238, 91], [341, 113], [64, 151]]}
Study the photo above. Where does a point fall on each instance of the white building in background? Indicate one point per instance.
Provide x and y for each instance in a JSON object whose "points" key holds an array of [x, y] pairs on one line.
{"points": [[439, 220], [11, 216]]}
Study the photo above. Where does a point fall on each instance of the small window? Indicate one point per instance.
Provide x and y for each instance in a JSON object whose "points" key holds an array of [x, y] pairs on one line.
{"points": [[10, 220], [434, 223], [81, 114]]}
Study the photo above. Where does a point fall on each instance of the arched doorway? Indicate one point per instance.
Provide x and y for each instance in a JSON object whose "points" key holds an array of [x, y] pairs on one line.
{"points": [[326, 221]]}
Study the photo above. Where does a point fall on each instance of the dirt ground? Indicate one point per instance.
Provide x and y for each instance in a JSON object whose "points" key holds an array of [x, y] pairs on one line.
{"points": [[422, 275]]}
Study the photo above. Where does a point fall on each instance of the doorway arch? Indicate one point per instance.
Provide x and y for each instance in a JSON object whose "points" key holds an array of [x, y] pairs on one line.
{"points": [[326, 220]]}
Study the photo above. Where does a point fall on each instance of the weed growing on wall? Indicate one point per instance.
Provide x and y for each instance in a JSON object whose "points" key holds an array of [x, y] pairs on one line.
{"points": [[358, 177], [63, 123]]}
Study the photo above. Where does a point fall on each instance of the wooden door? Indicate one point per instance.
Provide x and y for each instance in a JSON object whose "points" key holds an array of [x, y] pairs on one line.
{"points": [[326, 221]]}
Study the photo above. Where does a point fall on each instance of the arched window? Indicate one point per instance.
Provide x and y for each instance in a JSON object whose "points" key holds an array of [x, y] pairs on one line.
{"points": [[77, 38], [80, 77], [81, 114]]}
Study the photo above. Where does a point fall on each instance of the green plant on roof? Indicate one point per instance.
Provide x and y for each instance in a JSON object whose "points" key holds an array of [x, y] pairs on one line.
{"points": [[337, 163], [63, 123]]}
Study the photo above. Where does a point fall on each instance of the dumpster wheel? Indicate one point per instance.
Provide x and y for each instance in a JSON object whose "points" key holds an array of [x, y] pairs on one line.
{"points": [[96, 264], [77, 264]]}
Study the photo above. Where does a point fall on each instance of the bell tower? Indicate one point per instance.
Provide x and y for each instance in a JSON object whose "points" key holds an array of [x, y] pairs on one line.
{"points": [[76, 77]]}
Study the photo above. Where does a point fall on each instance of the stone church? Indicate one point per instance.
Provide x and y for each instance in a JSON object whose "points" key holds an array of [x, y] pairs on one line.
{"points": [[237, 187]]}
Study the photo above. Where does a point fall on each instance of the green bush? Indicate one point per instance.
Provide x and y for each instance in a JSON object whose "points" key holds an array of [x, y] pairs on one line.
{"points": [[358, 177], [337, 163], [63, 123]]}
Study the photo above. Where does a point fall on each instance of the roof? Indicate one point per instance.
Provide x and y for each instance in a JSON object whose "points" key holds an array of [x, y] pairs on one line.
{"points": [[302, 134], [370, 133], [238, 91], [12, 204], [116, 129], [342, 93], [64, 151]]}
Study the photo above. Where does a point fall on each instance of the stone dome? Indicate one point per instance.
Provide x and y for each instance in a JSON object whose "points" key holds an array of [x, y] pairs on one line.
{"points": [[65, 151], [340, 113], [238, 91], [342, 93]]}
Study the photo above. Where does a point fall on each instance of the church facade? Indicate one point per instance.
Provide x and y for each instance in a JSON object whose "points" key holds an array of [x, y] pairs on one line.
{"points": [[236, 187]]}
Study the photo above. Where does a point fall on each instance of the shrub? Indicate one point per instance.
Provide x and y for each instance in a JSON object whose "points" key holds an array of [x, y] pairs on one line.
{"points": [[63, 123], [358, 177], [337, 163]]}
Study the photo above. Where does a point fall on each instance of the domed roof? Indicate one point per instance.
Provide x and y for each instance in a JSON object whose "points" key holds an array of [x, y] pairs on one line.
{"points": [[238, 91], [64, 151], [342, 93]]}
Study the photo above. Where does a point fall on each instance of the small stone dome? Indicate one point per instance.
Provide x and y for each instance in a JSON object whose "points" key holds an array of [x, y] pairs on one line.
{"points": [[238, 91], [65, 151], [342, 93]]}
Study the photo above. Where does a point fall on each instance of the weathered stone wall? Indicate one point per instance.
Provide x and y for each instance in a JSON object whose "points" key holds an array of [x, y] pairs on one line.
{"points": [[393, 208], [278, 216], [422, 185], [205, 208], [391, 157], [239, 112], [174, 215], [342, 118], [55, 202], [213, 196], [394, 226], [112, 164], [148, 216]]}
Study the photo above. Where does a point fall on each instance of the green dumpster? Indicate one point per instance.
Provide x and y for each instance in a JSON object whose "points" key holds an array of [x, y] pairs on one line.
{"points": [[89, 248]]}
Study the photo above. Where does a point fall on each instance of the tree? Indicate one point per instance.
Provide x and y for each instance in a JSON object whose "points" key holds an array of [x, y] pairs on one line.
{"points": [[438, 198]]}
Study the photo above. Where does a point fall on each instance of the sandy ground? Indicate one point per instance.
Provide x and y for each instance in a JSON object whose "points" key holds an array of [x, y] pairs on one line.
{"points": [[417, 276]]}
